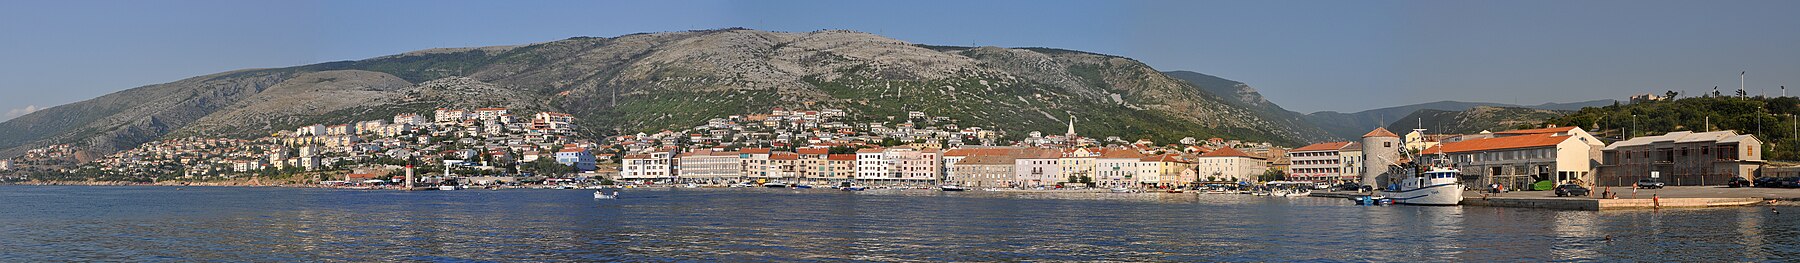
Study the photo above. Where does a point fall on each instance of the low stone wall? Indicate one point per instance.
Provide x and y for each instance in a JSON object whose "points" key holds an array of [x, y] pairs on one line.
{"points": [[1546, 203]]}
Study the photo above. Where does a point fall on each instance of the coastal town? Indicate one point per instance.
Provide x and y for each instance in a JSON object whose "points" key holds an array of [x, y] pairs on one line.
{"points": [[823, 147]]}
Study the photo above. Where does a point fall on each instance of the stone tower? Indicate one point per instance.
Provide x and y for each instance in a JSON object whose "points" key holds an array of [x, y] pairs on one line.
{"points": [[1381, 149]]}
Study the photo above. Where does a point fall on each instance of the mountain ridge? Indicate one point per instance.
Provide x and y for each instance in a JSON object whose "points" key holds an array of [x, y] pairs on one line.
{"points": [[671, 80]]}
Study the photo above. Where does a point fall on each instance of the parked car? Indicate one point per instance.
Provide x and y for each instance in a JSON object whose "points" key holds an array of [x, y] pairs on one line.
{"points": [[1571, 190], [1650, 184], [1767, 181], [1788, 182], [1737, 182], [1347, 187]]}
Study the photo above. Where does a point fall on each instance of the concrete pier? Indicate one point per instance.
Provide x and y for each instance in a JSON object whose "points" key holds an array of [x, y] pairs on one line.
{"points": [[1590, 204], [1670, 198]]}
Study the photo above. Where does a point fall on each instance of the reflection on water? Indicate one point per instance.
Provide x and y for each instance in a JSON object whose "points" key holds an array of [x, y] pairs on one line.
{"points": [[279, 224]]}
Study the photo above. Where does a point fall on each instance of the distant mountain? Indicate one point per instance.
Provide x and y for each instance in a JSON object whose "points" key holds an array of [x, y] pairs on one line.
{"points": [[1473, 120], [1353, 125], [1242, 95], [677, 80]]}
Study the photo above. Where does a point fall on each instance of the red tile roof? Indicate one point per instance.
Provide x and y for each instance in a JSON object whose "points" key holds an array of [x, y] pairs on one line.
{"points": [[841, 157], [1537, 131], [978, 151], [784, 156], [1120, 154], [1173, 158], [813, 150], [1498, 143], [1380, 132], [1324, 146], [1229, 152], [755, 150]]}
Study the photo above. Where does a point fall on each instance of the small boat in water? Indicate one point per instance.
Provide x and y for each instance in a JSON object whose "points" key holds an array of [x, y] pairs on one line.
{"points": [[1292, 193], [446, 188], [952, 188], [775, 185], [691, 185], [740, 185], [802, 186], [602, 195], [1175, 190]]}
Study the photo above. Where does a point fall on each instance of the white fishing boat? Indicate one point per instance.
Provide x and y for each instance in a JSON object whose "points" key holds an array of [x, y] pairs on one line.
{"points": [[691, 185], [602, 195], [446, 188], [1437, 186]]}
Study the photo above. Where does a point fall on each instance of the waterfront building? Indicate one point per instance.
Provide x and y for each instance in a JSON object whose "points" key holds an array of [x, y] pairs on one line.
{"points": [[755, 163], [1116, 167], [1350, 162], [1037, 167], [651, 167], [1319, 162], [838, 167], [708, 166], [1078, 163], [812, 163], [1164, 170], [1519, 158], [1682, 158], [914, 165], [784, 166], [871, 165], [985, 171], [1229, 164], [953, 156]]}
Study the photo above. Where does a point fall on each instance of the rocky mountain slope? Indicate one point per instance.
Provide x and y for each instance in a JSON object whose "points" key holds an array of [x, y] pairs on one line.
{"points": [[674, 80]]}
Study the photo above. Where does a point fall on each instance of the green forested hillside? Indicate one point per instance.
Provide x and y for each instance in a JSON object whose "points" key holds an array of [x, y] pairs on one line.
{"points": [[1771, 119]]}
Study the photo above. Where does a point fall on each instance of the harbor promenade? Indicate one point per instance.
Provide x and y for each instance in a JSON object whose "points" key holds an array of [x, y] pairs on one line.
{"points": [[1624, 198]]}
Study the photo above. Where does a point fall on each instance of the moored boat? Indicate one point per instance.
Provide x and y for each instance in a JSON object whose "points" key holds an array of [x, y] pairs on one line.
{"points": [[775, 185], [1437, 186], [952, 188]]}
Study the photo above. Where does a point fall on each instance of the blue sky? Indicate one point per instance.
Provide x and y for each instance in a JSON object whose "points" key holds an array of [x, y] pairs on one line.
{"points": [[1305, 55]]}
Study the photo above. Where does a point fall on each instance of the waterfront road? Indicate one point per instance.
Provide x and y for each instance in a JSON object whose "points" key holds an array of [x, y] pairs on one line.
{"points": [[1791, 194]]}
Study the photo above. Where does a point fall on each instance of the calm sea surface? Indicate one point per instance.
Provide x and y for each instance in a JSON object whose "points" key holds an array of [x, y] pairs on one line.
{"points": [[71, 223]]}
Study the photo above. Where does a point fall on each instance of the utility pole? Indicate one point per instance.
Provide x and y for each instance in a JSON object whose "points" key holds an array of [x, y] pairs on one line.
{"points": [[1634, 127]]}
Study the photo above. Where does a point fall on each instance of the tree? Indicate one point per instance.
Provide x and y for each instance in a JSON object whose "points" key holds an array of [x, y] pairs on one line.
{"points": [[547, 166], [1272, 175]]}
